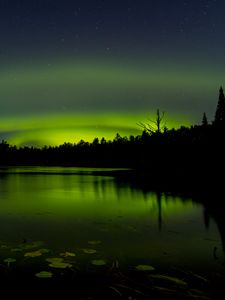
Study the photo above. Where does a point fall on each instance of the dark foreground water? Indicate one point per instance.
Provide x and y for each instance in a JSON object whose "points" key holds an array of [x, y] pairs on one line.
{"points": [[57, 222]]}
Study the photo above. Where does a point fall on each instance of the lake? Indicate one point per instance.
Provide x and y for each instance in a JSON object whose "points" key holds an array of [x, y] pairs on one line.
{"points": [[92, 221]]}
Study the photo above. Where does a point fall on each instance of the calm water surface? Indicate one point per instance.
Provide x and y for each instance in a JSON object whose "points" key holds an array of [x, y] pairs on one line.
{"points": [[66, 208]]}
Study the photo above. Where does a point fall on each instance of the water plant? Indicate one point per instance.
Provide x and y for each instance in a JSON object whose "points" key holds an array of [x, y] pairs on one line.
{"points": [[9, 260], [44, 274]]}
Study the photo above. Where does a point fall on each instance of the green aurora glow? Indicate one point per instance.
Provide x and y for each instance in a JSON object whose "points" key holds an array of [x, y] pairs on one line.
{"points": [[57, 129], [70, 101]]}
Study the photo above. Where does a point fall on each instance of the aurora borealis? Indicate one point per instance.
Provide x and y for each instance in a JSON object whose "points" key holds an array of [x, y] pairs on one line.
{"points": [[82, 69]]}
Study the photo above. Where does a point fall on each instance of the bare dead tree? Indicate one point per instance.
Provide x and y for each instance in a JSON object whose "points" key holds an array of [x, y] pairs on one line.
{"points": [[155, 126]]}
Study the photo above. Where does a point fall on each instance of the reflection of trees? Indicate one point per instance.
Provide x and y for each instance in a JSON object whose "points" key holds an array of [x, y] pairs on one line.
{"points": [[206, 218], [212, 209], [159, 203], [221, 227], [218, 215]]}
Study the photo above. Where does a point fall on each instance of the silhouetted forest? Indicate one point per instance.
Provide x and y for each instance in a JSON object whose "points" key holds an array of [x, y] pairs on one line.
{"points": [[195, 152]]}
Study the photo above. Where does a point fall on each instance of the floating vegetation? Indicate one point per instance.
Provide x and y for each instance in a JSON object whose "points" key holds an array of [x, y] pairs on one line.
{"points": [[3, 246], [9, 260], [16, 250], [94, 242], [33, 254], [198, 277], [60, 265], [89, 251], [98, 262], [145, 268], [54, 259], [44, 274], [169, 279], [32, 245], [44, 250], [57, 262], [164, 290], [115, 264], [198, 294], [68, 254]]}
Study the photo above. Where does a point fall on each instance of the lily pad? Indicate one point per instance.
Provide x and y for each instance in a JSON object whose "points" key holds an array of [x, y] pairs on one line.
{"points": [[32, 245], [9, 260], [145, 268], [44, 274], [44, 250], [33, 254], [60, 265], [54, 259], [16, 250], [98, 262], [94, 242], [89, 251], [68, 254]]}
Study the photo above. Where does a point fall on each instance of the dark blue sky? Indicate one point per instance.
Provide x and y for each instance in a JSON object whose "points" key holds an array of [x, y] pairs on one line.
{"points": [[178, 30]]}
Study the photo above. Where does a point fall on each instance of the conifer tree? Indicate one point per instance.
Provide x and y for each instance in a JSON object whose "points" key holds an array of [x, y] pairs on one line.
{"points": [[204, 120], [220, 110]]}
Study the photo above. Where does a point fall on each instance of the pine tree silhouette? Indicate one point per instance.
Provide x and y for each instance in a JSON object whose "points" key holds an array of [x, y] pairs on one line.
{"points": [[220, 110], [204, 120]]}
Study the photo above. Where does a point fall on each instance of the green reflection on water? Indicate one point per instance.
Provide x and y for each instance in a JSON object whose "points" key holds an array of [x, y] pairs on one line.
{"points": [[79, 195], [69, 209]]}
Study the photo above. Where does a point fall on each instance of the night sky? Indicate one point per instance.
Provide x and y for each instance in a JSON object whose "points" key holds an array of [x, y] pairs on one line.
{"points": [[74, 70]]}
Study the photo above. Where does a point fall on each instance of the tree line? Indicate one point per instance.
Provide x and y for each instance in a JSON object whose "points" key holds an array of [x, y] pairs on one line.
{"points": [[158, 148]]}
